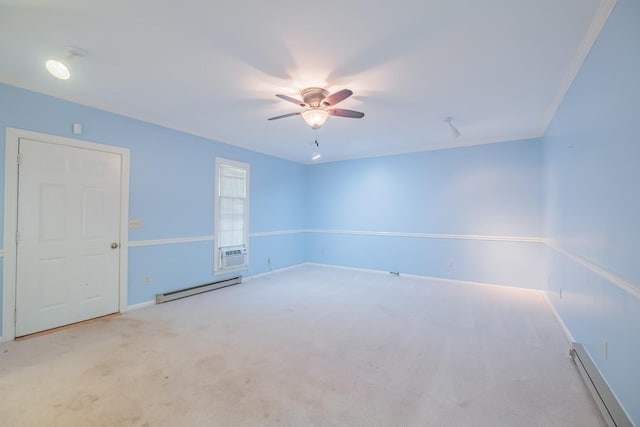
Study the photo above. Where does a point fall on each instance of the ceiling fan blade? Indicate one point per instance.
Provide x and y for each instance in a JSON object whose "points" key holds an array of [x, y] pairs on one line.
{"points": [[290, 99], [345, 113], [339, 96], [283, 116]]}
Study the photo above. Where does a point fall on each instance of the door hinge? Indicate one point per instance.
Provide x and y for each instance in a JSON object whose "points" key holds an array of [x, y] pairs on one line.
{"points": [[19, 159], [17, 237]]}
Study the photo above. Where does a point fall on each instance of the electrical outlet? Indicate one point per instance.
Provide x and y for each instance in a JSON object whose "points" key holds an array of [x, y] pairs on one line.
{"points": [[450, 264], [146, 280]]}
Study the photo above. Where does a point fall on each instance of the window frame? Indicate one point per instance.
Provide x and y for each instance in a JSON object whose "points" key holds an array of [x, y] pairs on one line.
{"points": [[220, 161]]}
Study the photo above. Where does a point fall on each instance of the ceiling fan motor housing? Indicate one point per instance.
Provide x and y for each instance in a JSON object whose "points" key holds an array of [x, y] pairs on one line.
{"points": [[313, 96]]}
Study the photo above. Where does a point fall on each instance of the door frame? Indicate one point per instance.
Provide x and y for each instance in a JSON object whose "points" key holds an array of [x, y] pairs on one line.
{"points": [[9, 283]]}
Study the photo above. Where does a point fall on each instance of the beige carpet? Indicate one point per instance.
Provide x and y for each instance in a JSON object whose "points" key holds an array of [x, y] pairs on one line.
{"points": [[310, 346]]}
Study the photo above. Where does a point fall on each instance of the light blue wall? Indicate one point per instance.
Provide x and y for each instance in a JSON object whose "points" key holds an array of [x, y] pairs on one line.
{"points": [[592, 202], [171, 191], [582, 177], [490, 190]]}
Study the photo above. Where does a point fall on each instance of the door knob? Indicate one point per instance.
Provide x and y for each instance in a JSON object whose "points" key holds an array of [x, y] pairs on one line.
{"points": [[114, 245]]}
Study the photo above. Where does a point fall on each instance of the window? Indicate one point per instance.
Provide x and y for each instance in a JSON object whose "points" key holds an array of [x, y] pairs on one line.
{"points": [[232, 215]]}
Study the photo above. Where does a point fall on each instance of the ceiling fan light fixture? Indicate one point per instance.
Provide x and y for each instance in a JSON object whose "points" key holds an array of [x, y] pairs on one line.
{"points": [[315, 100], [58, 69], [315, 117]]}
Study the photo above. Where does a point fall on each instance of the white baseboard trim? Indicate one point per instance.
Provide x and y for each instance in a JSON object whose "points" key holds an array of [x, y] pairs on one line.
{"points": [[605, 398], [472, 283], [268, 273], [430, 278], [563, 326], [244, 279], [140, 305], [343, 267]]}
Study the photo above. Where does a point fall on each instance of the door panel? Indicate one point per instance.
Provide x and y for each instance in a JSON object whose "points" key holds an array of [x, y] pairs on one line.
{"points": [[68, 216], [51, 286], [52, 200], [93, 213]]}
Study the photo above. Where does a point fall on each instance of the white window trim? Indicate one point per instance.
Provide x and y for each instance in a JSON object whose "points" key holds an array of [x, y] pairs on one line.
{"points": [[216, 250]]}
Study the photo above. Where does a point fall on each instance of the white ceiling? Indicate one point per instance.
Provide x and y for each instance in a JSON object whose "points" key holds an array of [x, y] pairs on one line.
{"points": [[212, 68]]}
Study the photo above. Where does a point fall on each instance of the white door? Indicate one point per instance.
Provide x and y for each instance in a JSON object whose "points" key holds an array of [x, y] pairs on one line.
{"points": [[68, 221]]}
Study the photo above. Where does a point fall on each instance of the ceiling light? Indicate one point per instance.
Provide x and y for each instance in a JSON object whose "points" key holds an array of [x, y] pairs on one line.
{"points": [[453, 131], [58, 69], [315, 117]]}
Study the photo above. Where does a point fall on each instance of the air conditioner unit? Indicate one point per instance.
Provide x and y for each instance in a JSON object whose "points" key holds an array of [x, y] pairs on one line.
{"points": [[232, 256]]}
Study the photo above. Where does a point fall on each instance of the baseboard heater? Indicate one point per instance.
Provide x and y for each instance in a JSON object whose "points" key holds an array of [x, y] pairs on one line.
{"points": [[187, 292], [614, 414]]}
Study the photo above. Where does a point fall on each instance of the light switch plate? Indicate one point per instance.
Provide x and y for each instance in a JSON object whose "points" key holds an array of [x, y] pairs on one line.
{"points": [[135, 223]]}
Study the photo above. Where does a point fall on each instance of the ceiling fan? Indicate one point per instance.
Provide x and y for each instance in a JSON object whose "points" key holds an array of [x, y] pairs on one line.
{"points": [[315, 100]]}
